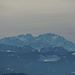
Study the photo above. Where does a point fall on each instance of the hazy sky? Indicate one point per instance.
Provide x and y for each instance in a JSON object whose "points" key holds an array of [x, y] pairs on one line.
{"points": [[37, 17]]}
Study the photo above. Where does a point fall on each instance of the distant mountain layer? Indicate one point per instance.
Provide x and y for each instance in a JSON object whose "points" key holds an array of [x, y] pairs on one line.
{"points": [[15, 49], [41, 41], [28, 48]]}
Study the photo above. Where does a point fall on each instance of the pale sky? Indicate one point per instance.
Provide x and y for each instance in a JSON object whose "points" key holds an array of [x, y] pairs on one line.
{"points": [[37, 17]]}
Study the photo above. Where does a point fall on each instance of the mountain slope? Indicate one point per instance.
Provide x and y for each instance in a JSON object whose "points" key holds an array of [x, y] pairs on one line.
{"points": [[15, 49], [44, 40]]}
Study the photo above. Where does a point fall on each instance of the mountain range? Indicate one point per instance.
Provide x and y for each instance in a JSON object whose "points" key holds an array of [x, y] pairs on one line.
{"points": [[46, 54], [38, 42]]}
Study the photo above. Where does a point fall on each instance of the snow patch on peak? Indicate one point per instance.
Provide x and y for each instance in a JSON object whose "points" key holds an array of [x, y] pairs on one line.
{"points": [[22, 39], [54, 38]]}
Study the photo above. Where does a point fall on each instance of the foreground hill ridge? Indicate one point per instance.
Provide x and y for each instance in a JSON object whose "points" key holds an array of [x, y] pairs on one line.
{"points": [[26, 60], [40, 41]]}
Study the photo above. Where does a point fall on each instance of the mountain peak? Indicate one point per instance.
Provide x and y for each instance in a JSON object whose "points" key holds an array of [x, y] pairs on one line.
{"points": [[28, 34], [48, 34], [23, 35]]}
